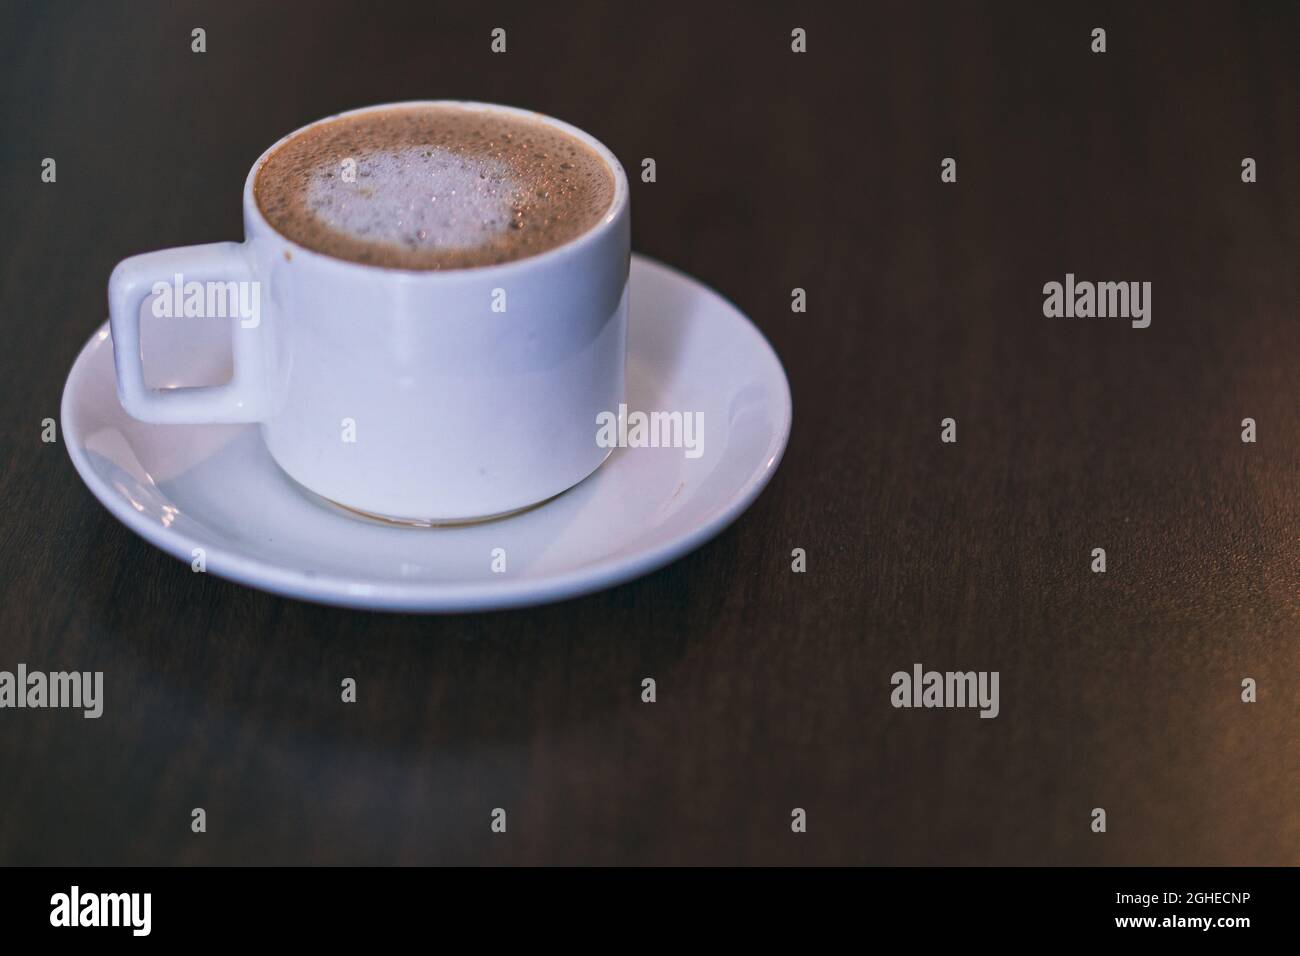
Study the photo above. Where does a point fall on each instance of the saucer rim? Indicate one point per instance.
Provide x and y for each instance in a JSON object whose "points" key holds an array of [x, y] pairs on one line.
{"points": [[426, 597]]}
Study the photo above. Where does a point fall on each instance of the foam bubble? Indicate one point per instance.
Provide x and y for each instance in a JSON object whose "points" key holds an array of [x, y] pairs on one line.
{"points": [[418, 197]]}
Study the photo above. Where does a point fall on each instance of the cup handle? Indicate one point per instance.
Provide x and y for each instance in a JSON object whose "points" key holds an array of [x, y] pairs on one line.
{"points": [[243, 398]]}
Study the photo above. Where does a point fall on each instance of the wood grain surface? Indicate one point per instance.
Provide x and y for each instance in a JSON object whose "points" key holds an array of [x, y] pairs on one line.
{"points": [[775, 170]]}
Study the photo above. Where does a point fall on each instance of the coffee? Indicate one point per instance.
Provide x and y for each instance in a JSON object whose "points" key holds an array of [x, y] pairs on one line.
{"points": [[433, 187]]}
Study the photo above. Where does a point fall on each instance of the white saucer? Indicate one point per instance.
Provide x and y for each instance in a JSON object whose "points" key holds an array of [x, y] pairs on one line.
{"points": [[215, 487]]}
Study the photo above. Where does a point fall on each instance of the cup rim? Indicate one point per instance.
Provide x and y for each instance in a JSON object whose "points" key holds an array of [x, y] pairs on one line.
{"points": [[617, 206]]}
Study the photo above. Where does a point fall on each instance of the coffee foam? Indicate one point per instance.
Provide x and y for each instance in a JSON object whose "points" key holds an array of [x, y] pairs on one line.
{"points": [[433, 187], [424, 199]]}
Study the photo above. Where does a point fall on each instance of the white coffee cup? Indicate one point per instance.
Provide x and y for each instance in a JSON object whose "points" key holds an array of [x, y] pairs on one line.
{"points": [[406, 394]]}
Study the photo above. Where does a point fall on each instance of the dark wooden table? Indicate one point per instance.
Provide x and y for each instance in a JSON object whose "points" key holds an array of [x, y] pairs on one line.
{"points": [[775, 170]]}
